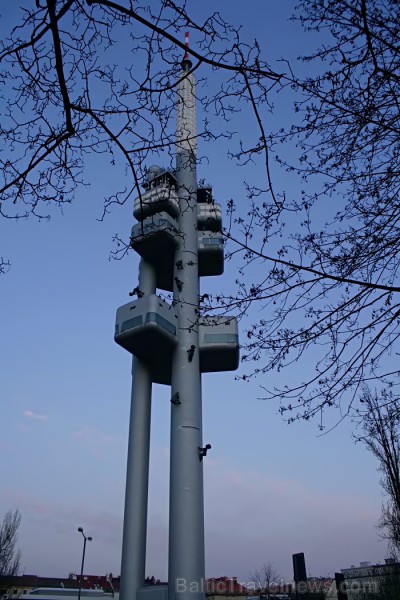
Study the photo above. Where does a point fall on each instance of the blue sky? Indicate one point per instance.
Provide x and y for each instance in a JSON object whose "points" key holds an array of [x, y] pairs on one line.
{"points": [[270, 489]]}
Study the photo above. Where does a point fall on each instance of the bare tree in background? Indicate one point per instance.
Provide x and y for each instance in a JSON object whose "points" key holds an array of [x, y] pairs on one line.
{"points": [[4, 265], [330, 292], [71, 96], [321, 262], [381, 436], [9, 555], [266, 579]]}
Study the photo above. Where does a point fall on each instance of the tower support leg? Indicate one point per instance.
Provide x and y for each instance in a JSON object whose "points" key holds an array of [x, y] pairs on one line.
{"points": [[133, 561], [186, 525]]}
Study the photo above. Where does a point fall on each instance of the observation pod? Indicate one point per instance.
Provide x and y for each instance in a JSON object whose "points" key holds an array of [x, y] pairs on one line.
{"points": [[155, 240], [204, 194], [219, 344], [159, 195], [211, 253], [209, 216], [147, 328]]}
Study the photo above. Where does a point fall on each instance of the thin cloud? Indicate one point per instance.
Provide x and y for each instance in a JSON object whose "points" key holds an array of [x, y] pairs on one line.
{"points": [[88, 433], [252, 516], [23, 427], [98, 442], [29, 414]]}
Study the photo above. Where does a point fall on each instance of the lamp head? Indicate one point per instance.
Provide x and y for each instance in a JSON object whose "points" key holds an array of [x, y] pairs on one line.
{"points": [[80, 529], [90, 539]]}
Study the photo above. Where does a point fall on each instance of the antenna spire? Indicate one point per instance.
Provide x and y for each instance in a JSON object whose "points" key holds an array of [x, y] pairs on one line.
{"points": [[186, 63], [187, 45]]}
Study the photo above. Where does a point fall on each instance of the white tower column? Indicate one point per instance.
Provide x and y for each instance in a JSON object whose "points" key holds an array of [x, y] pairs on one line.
{"points": [[186, 524], [133, 561]]}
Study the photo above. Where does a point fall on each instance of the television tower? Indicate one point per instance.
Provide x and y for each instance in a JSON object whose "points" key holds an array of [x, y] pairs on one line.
{"points": [[179, 239]]}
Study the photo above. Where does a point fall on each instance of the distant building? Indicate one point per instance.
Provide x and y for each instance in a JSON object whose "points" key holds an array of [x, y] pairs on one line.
{"points": [[13, 587], [319, 584], [225, 588], [365, 582], [225, 585], [21, 585]]}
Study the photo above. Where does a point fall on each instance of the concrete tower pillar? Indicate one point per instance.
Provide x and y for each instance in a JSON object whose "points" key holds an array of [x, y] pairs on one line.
{"points": [[186, 524], [133, 561]]}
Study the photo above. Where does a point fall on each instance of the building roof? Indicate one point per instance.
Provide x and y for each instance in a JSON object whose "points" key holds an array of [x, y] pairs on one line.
{"points": [[34, 581]]}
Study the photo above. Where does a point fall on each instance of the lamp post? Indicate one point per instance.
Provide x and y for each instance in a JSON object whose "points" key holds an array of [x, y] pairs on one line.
{"points": [[85, 539]]}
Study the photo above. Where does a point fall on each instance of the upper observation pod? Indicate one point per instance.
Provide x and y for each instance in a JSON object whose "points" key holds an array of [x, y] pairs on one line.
{"points": [[156, 236], [159, 194], [155, 239], [186, 108], [209, 215]]}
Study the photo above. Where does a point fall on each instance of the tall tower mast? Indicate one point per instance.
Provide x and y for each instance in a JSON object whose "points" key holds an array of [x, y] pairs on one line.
{"points": [[186, 521], [179, 238]]}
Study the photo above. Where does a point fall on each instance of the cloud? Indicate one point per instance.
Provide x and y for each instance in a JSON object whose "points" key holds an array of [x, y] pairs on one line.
{"points": [[62, 517], [252, 516], [272, 517], [89, 433], [23, 427], [6, 446], [29, 414], [55, 522]]}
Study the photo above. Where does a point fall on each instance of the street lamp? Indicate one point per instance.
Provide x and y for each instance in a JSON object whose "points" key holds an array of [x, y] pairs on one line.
{"points": [[85, 539]]}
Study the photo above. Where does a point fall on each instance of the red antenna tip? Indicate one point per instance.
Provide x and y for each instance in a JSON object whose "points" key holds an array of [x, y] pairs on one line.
{"points": [[187, 45]]}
